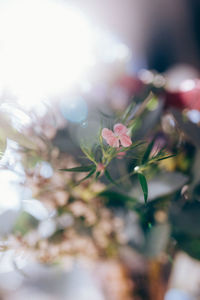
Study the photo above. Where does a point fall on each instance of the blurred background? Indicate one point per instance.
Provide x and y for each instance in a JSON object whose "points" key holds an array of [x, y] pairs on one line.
{"points": [[159, 34], [66, 68]]}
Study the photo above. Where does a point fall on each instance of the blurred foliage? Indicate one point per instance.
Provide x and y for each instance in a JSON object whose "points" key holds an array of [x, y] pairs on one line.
{"points": [[89, 199]]}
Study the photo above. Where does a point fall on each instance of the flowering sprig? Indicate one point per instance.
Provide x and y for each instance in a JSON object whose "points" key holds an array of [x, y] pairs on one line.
{"points": [[115, 144]]}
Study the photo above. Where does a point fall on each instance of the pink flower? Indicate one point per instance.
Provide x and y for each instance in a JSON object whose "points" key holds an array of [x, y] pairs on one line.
{"points": [[117, 138]]}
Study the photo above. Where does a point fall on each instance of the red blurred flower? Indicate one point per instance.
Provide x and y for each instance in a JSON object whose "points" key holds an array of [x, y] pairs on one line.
{"points": [[132, 85], [187, 97]]}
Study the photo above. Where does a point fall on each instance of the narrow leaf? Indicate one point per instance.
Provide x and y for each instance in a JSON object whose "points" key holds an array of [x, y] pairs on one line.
{"points": [[165, 157], [97, 174], [88, 153], [86, 177], [144, 186], [80, 169], [148, 151], [108, 176]]}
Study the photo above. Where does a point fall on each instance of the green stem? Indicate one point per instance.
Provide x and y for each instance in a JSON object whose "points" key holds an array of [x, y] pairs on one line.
{"points": [[141, 109]]}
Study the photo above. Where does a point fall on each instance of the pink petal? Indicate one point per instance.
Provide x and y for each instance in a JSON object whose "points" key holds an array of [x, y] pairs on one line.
{"points": [[113, 142], [107, 133], [110, 138], [120, 129], [125, 140]]}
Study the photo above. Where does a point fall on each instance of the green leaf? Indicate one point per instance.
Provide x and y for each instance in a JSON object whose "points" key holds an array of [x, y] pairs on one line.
{"points": [[185, 224], [189, 244], [87, 176], [165, 157], [88, 153], [108, 176], [144, 186], [117, 199], [80, 169], [148, 151], [97, 174]]}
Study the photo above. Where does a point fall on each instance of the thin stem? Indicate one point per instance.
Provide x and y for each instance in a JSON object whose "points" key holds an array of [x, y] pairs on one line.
{"points": [[141, 108]]}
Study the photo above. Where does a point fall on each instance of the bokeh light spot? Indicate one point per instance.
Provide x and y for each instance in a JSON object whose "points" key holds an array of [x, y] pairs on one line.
{"points": [[74, 109]]}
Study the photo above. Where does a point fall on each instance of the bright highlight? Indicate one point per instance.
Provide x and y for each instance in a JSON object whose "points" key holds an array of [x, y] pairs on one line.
{"points": [[45, 47]]}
